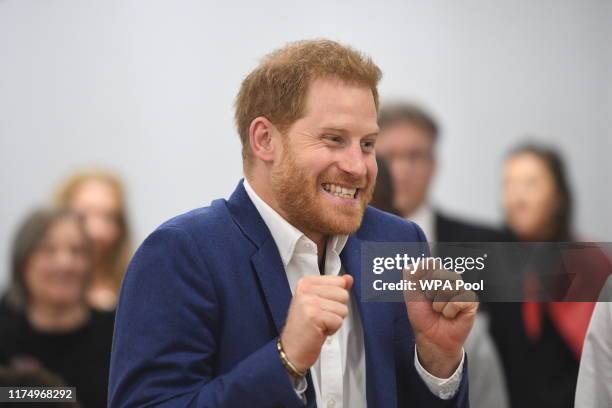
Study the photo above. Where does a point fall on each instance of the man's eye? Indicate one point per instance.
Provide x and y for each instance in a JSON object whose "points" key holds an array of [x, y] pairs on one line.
{"points": [[368, 145], [333, 138]]}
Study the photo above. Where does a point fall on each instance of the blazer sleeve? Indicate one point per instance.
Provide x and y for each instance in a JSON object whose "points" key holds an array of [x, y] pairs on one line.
{"points": [[164, 345], [411, 389]]}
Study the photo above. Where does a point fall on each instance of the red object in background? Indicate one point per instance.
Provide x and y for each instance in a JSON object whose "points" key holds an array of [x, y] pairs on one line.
{"points": [[589, 269]]}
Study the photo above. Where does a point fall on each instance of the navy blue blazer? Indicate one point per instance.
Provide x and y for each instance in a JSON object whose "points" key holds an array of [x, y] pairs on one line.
{"points": [[205, 298]]}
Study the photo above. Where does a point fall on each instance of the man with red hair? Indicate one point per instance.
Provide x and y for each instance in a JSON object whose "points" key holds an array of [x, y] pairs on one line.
{"points": [[256, 301]]}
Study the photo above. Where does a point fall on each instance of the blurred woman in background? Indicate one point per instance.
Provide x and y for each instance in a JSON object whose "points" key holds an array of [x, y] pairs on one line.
{"points": [[51, 326], [537, 199], [540, 343], [99, 196]]}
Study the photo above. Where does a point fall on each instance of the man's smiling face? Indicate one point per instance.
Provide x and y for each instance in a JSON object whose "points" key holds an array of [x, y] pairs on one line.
{"points": [[326, 172]]}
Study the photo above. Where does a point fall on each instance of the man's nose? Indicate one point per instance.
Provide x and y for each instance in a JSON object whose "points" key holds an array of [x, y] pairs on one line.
{"points": [[354, 161]]}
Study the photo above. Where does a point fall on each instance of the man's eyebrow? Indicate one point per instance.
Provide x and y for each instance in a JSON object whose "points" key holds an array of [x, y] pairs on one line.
{"points": [[339, 129]]}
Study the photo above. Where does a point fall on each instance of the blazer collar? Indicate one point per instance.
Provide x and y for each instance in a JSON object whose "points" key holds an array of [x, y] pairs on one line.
{"points": [[247, 217]]}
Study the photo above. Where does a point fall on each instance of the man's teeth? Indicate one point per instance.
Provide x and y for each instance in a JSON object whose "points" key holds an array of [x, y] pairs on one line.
{"points": [[339, 191]]}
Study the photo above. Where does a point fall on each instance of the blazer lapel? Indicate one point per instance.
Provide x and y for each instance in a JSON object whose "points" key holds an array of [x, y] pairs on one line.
{"points": [[273, 280], [265, 260]]}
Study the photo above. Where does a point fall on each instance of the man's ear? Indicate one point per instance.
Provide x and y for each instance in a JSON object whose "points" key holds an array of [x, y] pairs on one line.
{"points": [[261, 139]]}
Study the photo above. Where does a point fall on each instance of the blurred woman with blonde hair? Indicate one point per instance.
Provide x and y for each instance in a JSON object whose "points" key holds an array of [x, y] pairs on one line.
{"points": [[99, 196]]}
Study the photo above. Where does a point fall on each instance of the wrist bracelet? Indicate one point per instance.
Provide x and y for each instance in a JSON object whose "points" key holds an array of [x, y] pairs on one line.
{"points": [[288, 365]]}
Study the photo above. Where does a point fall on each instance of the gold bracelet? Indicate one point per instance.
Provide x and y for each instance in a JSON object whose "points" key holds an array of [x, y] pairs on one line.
{"points": [[288, 365]]}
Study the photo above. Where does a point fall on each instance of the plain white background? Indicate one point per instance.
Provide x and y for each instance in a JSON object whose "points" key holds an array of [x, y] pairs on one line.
{"points": [[146, 88]]}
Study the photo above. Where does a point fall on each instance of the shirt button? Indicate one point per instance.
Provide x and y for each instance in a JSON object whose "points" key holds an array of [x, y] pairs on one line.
{"points": [[331, 403], [328, 341]]}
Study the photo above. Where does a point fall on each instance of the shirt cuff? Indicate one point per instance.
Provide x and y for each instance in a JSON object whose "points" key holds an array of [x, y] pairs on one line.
{"points": [[444, 388], [299, 386]]}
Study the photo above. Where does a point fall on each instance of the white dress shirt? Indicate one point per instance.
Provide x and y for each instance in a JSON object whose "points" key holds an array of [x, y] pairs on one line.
{"points": [[339, 374], [594, 387], [425, 218]]}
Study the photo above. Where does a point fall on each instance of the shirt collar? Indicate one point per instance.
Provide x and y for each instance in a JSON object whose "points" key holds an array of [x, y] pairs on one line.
{"points": [[423, 216], [285, 235]]}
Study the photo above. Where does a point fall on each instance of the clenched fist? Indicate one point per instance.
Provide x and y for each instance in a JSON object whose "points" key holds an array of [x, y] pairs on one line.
{"points": [[317, 310], [441, 320]]}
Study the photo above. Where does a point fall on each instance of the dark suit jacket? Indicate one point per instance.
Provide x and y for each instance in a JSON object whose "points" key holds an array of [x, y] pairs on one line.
{"points": [[453, 230], [205, 298]]}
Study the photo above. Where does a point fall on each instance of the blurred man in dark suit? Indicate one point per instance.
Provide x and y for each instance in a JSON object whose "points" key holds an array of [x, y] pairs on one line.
{"points": [[408, 143]]}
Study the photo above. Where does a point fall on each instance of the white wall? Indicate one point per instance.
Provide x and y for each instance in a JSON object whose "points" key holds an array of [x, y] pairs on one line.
{"points": [[607, 197], [146, 88]]}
